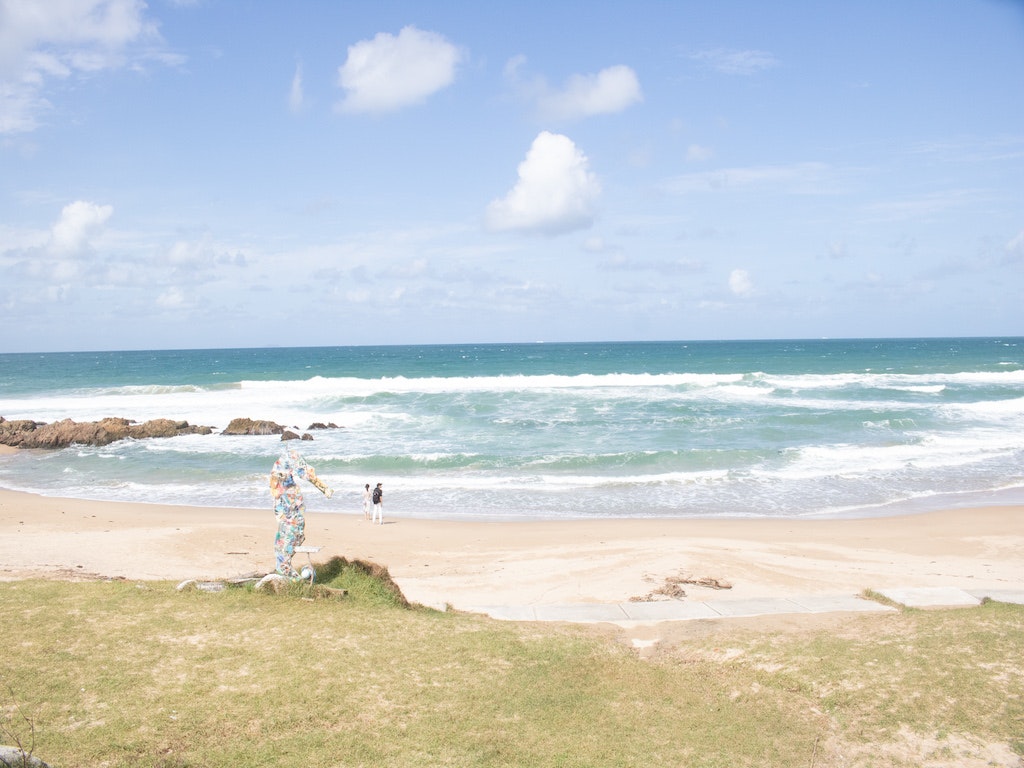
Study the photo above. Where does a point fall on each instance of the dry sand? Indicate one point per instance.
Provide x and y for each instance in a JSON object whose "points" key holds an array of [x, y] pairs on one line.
{"points": [[466, 564]]}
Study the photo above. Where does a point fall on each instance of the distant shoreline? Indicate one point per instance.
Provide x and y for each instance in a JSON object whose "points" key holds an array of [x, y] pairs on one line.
{"points": [[551, 342]]}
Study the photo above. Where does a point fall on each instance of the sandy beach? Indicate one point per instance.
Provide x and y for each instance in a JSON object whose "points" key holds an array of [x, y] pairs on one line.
{"points": [[524, 563]]}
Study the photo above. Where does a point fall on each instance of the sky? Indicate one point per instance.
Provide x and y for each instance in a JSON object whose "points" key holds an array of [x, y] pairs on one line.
{"points": [[244, 173]]}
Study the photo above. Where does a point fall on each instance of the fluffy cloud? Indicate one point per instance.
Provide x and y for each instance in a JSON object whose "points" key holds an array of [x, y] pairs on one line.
{"points": [[610, 90], [78, 222], [389, 72], [42, 41], [555, 193], [613, 89], [740, 283]]}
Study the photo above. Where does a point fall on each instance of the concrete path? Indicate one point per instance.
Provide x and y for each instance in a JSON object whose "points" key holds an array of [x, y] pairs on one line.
{"points": [[675, 610]]}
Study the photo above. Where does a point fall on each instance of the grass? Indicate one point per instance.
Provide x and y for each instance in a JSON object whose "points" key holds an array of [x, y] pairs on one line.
{"points": [[138, 674]]}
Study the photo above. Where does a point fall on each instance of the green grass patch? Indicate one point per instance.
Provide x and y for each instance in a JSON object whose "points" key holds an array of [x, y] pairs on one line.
{"points": [[366, 583], [139, 674], [878, 597]]}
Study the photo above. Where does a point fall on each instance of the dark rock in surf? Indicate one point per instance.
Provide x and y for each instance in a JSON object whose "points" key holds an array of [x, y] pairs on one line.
{"points": [[61, 434]]}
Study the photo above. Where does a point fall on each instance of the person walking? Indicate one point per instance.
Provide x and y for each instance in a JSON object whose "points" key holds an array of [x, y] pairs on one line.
{"points": [[378, 504], [289, 507], [366, 502]]}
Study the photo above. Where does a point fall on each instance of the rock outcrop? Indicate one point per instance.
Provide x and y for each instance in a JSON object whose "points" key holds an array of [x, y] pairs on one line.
{"points": [[60, 434], [250, 427], [25, 433]]}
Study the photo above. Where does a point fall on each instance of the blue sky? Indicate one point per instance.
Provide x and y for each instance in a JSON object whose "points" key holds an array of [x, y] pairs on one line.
{"points": [[245, 173]]}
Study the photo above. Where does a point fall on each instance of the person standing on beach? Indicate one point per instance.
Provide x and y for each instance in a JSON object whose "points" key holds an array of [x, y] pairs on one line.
{"points": [[378, 504], [289, 506], [366, 502]]}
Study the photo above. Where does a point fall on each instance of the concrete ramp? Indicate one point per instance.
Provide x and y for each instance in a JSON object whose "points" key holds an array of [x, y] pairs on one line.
{"points": [[931, 597]]}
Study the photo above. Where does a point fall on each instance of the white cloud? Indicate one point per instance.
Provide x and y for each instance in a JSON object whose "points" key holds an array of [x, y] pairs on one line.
{"points": [[78, 222], [800, 178], [187, 253], [555, 193], [18, 107], [733, 62], [295, 93], [927, 206], [359, 296], [16, 239], [203, 254], [63, 270], [513, 66], [172, 298], [389, 72], [740, 283], [41, 41], [56, 294], [611, 90], [698, 154], [1015, 248], [837, 250]]}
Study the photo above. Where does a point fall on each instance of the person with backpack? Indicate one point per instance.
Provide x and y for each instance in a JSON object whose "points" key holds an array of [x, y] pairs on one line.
{"points": [[378, 504]]}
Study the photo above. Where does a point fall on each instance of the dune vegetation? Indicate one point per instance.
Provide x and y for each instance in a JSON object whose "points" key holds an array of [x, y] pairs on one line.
{"points": [[346, 673]]}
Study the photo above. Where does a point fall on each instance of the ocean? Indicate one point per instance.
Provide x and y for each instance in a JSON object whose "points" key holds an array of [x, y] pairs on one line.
{"points": [[812, 428]]}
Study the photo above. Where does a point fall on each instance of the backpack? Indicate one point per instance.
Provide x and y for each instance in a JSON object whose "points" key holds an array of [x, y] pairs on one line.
{"points": [[376, 495]]}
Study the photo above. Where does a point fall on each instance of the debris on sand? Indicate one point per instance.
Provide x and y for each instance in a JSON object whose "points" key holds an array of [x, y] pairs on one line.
{"points": [[672, 589]]}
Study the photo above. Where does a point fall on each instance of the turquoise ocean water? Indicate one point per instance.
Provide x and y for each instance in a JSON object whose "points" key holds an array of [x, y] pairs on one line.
{"points": [[550, 431]]}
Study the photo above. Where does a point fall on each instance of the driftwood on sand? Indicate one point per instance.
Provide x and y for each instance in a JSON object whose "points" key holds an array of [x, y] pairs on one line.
{"points": [[672, 589]]}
